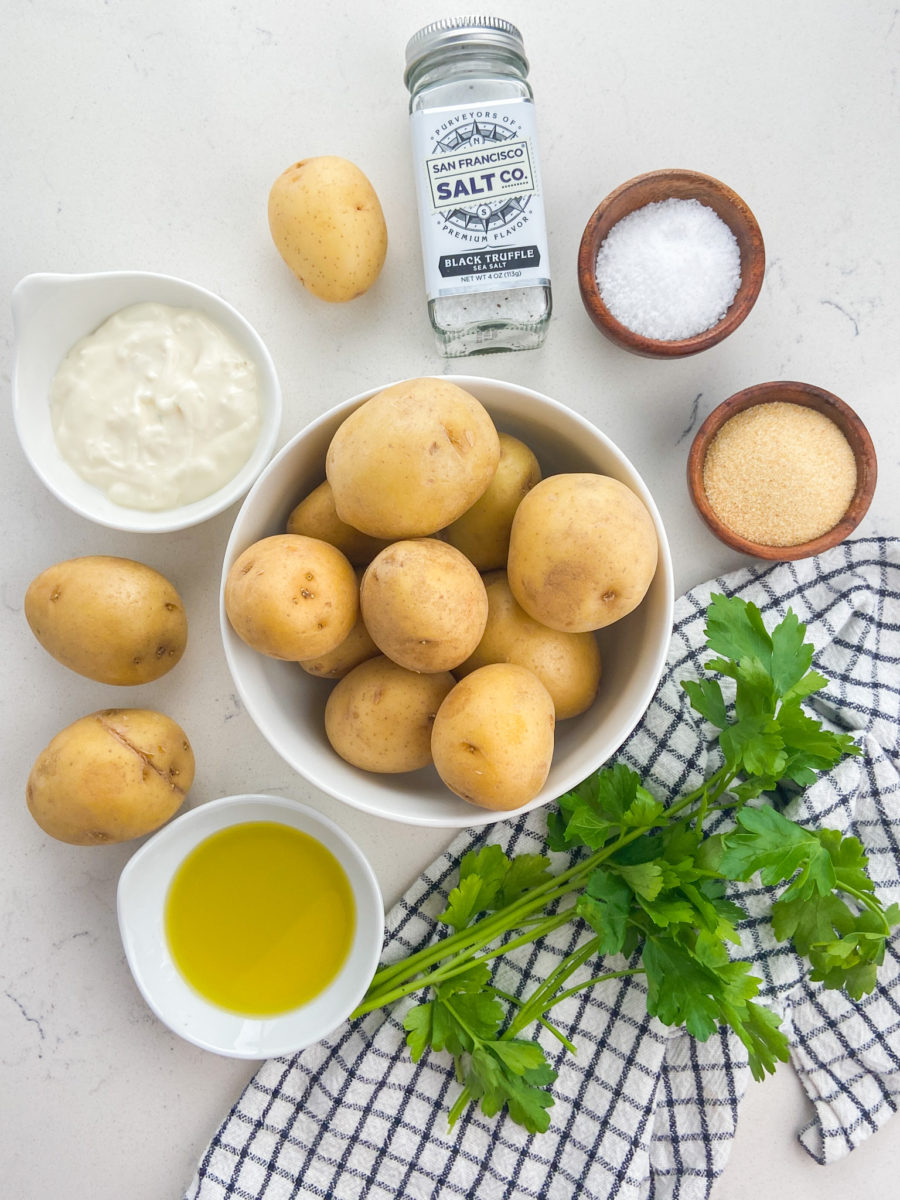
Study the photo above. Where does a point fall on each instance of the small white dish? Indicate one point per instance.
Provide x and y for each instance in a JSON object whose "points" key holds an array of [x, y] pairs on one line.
{"points": [[287, 704], [50, 314], [143, 887]]}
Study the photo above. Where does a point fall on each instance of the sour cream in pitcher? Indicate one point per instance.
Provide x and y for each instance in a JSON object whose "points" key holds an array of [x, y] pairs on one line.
{"points": [[158, 407]]}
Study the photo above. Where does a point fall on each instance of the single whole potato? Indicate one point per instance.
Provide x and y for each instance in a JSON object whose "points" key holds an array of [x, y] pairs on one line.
{"points": [[482, 532], [492, 740], [291, 597], [424, 604], [379, 717], [113, 775], [315, 516], [582, 551], [327, 225], [567, 664], [411, 459], [113, 620]]}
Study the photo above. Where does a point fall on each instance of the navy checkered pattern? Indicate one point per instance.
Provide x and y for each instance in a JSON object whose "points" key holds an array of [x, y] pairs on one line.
{"points": [[642, 1111]]}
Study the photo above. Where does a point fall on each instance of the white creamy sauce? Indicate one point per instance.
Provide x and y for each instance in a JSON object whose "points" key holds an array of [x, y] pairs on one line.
{"points": [[158, 407]]}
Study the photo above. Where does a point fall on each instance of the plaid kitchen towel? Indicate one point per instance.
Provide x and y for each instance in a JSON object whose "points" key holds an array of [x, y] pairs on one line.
{"points": [[641, 1111]]}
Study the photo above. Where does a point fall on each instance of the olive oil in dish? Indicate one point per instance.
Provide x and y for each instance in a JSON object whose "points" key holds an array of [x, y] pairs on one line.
{"points": [[259, 918]]}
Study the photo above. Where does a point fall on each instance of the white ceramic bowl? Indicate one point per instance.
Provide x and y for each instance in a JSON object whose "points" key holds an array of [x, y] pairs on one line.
{"points": [[287, 704], [144, 884], [50, 314]]}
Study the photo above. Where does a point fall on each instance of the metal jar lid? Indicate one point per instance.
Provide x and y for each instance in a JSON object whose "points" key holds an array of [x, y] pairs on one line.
{"points": [[463, 32]]}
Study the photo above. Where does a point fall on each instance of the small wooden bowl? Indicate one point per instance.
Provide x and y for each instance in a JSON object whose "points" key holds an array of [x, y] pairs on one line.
{"points": [[824, 402], [647, 189]]}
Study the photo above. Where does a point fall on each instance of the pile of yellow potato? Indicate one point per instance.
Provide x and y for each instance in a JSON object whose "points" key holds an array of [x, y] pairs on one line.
{"points": [[451, 592], [117, 773]]}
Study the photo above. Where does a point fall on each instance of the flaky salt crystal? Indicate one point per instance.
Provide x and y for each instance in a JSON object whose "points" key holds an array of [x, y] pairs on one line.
{"points": [[669, 270]]}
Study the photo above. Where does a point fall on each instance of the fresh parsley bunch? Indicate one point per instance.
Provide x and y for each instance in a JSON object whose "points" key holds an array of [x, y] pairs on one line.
{"points": [[650, 883]]}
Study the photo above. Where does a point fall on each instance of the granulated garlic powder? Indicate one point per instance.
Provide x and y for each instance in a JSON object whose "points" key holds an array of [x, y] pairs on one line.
{"points": [[779, 474]]}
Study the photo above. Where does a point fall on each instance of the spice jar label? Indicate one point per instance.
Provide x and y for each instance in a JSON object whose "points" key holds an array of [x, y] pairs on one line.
{"points": [[480, 205]]}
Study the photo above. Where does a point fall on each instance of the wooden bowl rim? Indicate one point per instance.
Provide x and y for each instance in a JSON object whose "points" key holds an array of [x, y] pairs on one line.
{"points": [[736, 214], [809, 396]]}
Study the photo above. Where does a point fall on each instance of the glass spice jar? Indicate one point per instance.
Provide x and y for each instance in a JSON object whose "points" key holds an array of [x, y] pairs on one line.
{"points": [[481, 213]]}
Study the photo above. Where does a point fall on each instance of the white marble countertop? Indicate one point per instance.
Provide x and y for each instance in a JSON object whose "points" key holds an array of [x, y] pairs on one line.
{"points": [[147, 136]]}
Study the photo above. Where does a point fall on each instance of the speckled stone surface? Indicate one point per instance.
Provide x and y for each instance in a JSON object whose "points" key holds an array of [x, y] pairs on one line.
{"points": [[147, 137]]}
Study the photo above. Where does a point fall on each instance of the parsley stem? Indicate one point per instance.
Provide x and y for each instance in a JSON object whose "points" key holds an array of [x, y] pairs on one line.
{"points": [[545, 926], [460, 962], [708, 792], [487, 928], [520, 1003], [580, 987], [536, 1002], [459, 1105], [867, 900]]}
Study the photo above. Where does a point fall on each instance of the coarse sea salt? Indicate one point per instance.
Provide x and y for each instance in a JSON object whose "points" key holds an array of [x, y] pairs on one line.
{"points": [[669, 270]]}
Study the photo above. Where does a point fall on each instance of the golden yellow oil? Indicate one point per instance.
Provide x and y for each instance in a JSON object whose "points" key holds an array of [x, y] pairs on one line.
{"points": [[259, 918]]}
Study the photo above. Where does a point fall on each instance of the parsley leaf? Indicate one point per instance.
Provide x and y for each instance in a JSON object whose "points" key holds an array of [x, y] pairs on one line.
{"points": [[777, 848], [471, 896], [526, 871], [735, 629], [706, 698], [464, 1018], [490, 1080], [810, 748], [691, 981], [605, 904], [488, 880], [605, 804]]}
